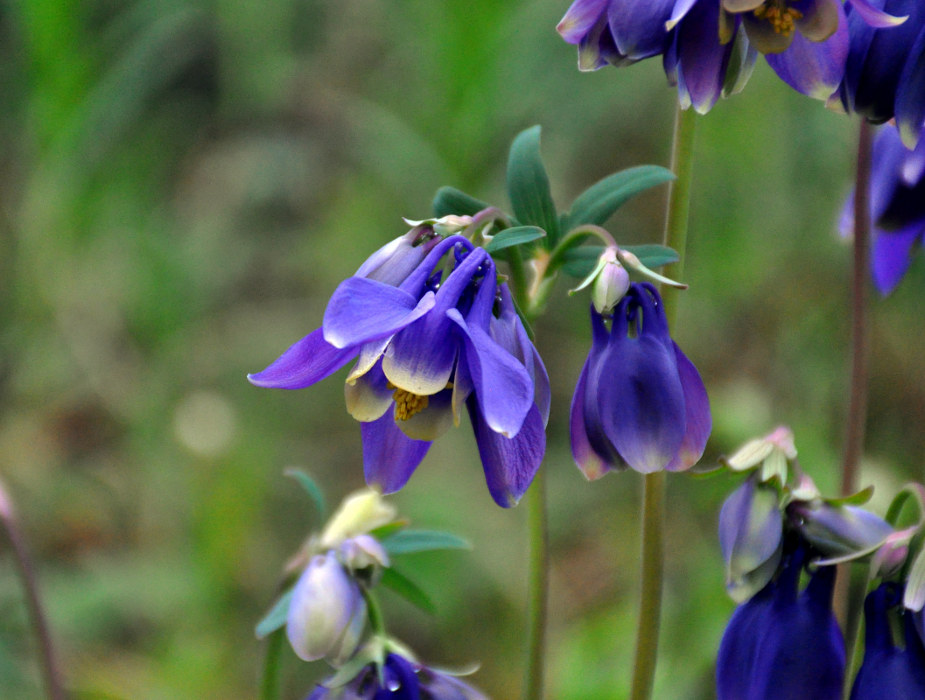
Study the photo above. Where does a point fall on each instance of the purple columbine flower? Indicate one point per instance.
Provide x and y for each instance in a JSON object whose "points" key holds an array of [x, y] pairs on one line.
{"points": [[889, 671], [705, 53], [885, 73], [897, 191], [400, 679], [782, 644], [423, 348], [702, 59], [639, 401]]}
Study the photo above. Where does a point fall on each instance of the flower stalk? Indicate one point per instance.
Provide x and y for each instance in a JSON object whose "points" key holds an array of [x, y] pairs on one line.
{"points": [[47, 654], [653, 516]]}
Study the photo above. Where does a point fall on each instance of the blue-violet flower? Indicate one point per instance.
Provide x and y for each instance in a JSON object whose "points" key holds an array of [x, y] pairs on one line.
{"points": [[889, 671], [426, 343], [782, 644], [400, 679], [897, 207], [885, 72], [639, 401]]}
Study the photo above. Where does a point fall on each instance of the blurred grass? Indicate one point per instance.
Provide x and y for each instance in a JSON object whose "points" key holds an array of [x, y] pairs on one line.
{"points": [[184, 184]]}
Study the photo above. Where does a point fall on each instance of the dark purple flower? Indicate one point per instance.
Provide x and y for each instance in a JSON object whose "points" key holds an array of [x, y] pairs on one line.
{"points": [[703, 61], [422, 349], [783, 644], [897, 191], [400, 679], [889, 672], [639, 401], [885, 72]]}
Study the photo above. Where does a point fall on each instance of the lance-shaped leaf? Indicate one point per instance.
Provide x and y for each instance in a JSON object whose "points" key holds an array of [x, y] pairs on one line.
{"points": [[510, 237], [276, 618], [449, 201], [598, 203], [528, 185], [410, 541], [408, 590]]}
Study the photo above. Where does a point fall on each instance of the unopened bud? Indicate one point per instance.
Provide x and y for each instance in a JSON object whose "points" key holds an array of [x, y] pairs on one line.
{"points": [[359, 513]]}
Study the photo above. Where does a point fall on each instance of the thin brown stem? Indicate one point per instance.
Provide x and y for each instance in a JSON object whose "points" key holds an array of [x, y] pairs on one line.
{"points": [[27, 573]]}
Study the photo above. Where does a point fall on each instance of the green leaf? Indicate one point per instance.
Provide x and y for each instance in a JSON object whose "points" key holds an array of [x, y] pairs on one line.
{"points": [[380, 533], [449, 200], [509, 237], [652, 255], [311, 488], [528, 185], [597, 203], [855, 499], [276, 618], [409, 541], [408, 590]]}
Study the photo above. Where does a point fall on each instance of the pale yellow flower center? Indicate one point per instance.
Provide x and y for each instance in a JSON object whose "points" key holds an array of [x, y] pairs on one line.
{"points": [[407, 404], [781, 17]]}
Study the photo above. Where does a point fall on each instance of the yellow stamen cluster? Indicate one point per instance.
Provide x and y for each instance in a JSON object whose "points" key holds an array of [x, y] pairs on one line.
{"points": [[408, 404], [781, 17]]}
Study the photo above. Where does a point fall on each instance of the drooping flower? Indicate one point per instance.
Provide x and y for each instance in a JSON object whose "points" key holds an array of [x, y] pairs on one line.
{"points": [[327, 612], [398, 679], [885, 72], [889, 671], [705, 53], [422, 348], [698, 59], [897, 207], [783, 644], [639, 401]]}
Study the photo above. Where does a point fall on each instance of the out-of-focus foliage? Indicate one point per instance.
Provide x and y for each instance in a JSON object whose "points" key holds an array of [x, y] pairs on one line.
{"points": [[182, 186]]}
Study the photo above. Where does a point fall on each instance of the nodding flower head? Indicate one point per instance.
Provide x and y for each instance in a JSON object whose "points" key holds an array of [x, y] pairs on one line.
{"points": [[423, 350], [639, 401]]}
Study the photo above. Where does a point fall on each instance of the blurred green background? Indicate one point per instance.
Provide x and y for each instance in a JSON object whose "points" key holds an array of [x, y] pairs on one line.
{"points": [[183, 184]]}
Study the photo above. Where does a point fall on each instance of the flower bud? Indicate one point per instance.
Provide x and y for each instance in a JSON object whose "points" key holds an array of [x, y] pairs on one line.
{"points": [[327, 611], [837, 531], [359, 513], [611, 283], [750, 536], [394, 261], [364, 557]]}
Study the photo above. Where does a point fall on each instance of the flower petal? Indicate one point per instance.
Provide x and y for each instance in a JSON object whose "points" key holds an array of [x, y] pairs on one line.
{"points": [[875, 17], [698, 420], [304, 363], [698, 58], [368, 397], [642, 411], [638, 26], [910, 96], [431, 422], [389, 456], [820, 20], [813, 68], [421, 358], [509, 463], [892, 254], [361, 310], [580, 18], [591, 463]]}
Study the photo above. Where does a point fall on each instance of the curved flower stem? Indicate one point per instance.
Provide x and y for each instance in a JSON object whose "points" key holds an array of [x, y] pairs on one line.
{"points": [[49, 663], [653, 516], [539, 587], [849, 614]]}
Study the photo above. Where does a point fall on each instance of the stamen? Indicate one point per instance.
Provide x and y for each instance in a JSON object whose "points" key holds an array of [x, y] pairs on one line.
{"points": [[781, 17], [407, 404]]}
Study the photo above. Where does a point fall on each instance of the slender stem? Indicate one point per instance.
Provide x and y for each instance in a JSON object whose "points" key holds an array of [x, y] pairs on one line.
{"points": [[653, 516], [49, 663], [539, 587], [856, 420], [269, 687]]}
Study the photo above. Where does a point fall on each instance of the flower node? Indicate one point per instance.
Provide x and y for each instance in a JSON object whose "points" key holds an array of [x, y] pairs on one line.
{"points": [[780, 17]]}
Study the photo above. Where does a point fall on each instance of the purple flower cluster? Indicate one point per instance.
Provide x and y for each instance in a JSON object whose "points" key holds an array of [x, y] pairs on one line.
{"points": [[709, 46]]}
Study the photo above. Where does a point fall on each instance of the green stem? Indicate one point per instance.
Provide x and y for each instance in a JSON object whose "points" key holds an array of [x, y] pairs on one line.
{"points": [[653, 516], [539, 586], [269, 686], [49, 663], [848, 610]]}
